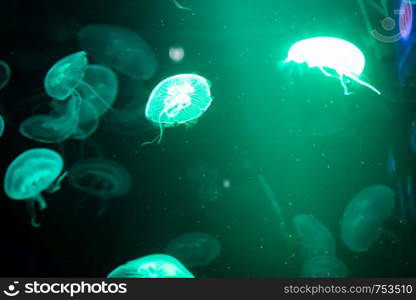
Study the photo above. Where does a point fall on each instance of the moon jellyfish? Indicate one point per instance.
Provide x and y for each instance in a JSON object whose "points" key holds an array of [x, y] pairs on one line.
{"points": [[361, 225], [53, 128], [194, 249], [177, 100], [316, 239], [324, 266], [120, 49], [331, 54], [101, 178], [5, 74], [31, 173], [99, 91], [88, 121], [66, 75], [152, 266], [1, 125]]}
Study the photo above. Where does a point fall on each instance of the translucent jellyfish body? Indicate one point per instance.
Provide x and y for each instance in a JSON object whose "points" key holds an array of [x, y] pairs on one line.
{"points": [[316, 239], [177, 100], [152, 266], [120, 49], [102, 178], [194, 249], [1, 125], [53, 128], [66, 75], [333, 56], [5, 74], [361, 225], [324, 266], [31, 173]]}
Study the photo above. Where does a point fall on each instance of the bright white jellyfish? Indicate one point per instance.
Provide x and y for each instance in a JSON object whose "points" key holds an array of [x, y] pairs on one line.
{"points": [[334, 57]]}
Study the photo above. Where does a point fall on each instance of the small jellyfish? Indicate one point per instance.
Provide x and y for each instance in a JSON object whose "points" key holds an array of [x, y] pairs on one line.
{"points": [[316, 239], [102, 178], [5, 74], [1, 125], [177, 100], [194, 249], [362, 222], [324, 266], [54, 128], [120, 49], [66, 75], [331, 55], [152, 266], [31, 173]]}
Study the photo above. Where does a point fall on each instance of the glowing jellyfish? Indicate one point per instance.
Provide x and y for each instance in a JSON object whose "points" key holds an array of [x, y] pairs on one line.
{"points": [[5, 74], [53, 128], [101, 178], [152, 266], [406, 19], [194, 249], [324, 266], [31, 173], [99, 91], [66, 75], [331, 55], [88, 121], [120, 49], [316, 239], [1, 125], [362, 221], [177, 100]]}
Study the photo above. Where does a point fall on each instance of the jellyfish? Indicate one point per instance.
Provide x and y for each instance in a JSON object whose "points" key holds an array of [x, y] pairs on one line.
{"points": [[177, 100], [31, 173], [152, 266], [194, 249], [53, 128], [66, 75], [180, 6], [324, 266], [316, 239], [1, 125], [334, 57], [362, 222], [5, 74], [99, 91], [88, 121], [101, 178], [120, 49]]}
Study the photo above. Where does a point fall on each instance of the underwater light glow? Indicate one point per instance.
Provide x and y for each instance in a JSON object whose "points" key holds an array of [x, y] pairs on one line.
{"points": [[328, 53], [406, 19]]}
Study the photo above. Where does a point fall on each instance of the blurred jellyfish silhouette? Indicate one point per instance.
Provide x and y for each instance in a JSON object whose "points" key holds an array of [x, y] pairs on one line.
{"points": [[61, 124], [334, 57], [1, 125], [391, 163], [413, 136], [119, 49], [31, 173], [194, 249], [179, 99], [101, 178], [316, 239], [361, 224], [152, 266], [324, 266], [5, 74]]}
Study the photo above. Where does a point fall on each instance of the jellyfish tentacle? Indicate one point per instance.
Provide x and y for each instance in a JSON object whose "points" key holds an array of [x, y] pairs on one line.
{"points": [[56, 186], [357, 79], [31, 208], [344, 85], [180, 6], [98, 97]]}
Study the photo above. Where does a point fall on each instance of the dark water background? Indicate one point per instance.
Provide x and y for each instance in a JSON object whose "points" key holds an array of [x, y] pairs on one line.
{"points": [[315, 146]]}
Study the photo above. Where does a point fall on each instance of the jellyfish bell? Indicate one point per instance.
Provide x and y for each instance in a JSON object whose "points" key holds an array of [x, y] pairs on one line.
{"points": [[65, 75], [152, 266], [31, 173], [333, 56], [194, 249], [176, 100], [361, 224], [101, 178], [5, 74], [1, 125]]}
